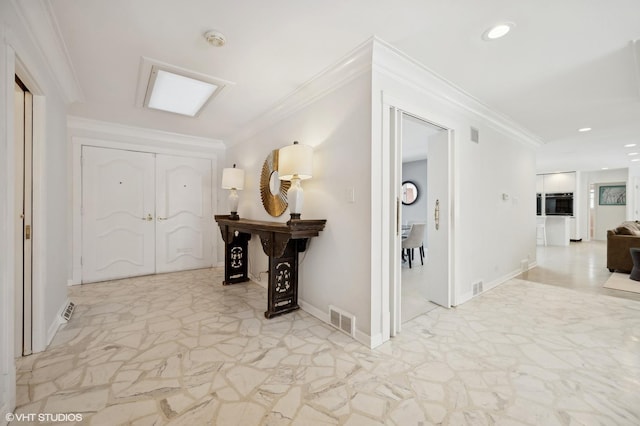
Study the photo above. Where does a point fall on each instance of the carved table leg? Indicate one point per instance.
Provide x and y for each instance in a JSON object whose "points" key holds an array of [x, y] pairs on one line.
{"points": [[283, 280], [236, 262]]}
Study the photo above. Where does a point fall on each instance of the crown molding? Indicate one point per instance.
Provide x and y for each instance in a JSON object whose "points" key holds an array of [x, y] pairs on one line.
{"points": [[349, 67], [147, 136], [376, 54], [42, 26], [396, 64]]}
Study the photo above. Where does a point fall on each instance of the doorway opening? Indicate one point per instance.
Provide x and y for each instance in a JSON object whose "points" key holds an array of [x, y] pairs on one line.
{"points": [[422, 167], [414, 211], [23, 107]]}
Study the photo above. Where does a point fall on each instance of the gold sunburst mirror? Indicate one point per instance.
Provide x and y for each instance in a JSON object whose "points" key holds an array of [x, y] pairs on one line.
{"points": [[273, 191]]}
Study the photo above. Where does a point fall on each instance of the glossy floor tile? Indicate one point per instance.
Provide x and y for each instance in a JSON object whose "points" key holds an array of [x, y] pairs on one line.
{"points": [[412, 297], [580, 266], [181, 349]]}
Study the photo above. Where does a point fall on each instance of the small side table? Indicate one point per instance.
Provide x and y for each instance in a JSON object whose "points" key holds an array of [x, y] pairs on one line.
{"points": [[635, 256]]}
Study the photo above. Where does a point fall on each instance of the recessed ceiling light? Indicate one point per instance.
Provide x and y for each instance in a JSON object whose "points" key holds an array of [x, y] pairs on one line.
{"points": [[630, 145], [635, 159], [632, 153], [605, 168], [497, 31], [584, 129]]}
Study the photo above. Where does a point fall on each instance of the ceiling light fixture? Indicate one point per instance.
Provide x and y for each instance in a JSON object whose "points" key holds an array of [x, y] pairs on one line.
{"points": [[497, 31], [584, 129], [166, 87], [630, 145], [635, 159], [215, 38], [632, 154], [178, 93]]}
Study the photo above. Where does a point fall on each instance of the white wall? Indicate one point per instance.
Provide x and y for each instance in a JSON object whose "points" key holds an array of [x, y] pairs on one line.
{"points": [[111, 135], [610, 215], [336, 268], [607, 217], [50, 231], [345, 265], [503, 162]]}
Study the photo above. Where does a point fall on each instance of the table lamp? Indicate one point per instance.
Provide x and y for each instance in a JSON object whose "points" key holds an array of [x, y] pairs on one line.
{"points": [[295, 163], [233, 180]]}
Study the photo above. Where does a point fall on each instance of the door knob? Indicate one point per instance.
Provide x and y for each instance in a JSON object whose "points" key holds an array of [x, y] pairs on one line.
{"points": [[148, 217], [436, 214], [162, 218]]}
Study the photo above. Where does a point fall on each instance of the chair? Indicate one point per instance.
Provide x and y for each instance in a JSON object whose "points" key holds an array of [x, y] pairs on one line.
{"points": [[415, 239]]}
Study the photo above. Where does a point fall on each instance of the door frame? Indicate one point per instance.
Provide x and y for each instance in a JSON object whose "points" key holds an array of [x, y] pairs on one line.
{"points": [[40, 330], [391, 179], [146, 140]]}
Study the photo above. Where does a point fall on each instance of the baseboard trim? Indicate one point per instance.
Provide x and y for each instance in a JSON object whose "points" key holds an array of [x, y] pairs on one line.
{"points": [[56, 323], [465, 297]]}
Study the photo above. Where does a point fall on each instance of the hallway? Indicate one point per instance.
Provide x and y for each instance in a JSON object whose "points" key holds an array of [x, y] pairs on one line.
{"points": [[580, 266], [181, 349]]}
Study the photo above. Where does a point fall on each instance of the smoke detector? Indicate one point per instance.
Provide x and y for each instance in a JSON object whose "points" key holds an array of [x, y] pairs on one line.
{"points": [[215, 38]]}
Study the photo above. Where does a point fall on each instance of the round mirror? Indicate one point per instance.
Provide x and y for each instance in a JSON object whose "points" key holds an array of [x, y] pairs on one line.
{"points": [[273, 191], [274, 183], [409, 193]]}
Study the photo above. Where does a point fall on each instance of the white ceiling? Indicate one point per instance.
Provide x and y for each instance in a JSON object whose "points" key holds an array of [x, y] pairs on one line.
{"points": [[567, 64]]}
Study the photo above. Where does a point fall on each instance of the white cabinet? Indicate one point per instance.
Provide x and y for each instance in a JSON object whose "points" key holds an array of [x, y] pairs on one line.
{"points": [[559, 182], [573, 229]]}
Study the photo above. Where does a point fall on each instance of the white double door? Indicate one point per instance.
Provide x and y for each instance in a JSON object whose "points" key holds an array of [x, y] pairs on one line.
{"points": [[144, 213]]}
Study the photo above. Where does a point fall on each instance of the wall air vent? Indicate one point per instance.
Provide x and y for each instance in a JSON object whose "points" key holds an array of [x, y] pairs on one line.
{"points": [[68, 311], [343, 321], [475, 135]]}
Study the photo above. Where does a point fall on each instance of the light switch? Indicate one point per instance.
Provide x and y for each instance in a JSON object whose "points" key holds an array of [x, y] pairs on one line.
{"points": [[351, 195]]}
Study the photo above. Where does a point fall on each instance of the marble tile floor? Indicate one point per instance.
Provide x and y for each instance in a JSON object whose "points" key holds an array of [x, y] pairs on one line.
{"points": [[581, 266], [412, 300], [181, 349]]}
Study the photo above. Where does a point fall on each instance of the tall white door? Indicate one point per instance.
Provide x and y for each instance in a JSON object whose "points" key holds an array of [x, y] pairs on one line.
{"points": [[23, 107], [438, 260], [118, 208], [183, 208]]}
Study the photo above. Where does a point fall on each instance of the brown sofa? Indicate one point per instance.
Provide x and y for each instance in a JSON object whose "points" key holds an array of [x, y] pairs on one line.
{"points": [[619, 241]]}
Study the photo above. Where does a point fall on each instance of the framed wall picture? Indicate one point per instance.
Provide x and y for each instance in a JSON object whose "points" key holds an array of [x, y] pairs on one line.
{"points": [[612, 195]]}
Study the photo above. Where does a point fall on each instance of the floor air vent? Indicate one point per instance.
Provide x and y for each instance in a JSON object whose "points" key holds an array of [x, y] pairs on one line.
{"points": [[343, 321], [68, 311]]}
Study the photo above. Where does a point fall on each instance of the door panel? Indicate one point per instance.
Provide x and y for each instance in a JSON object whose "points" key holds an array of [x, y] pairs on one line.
{"points": [[438, 221], [23, 125], [183, 206], [118, 238], [27, 259], [19, 228]]}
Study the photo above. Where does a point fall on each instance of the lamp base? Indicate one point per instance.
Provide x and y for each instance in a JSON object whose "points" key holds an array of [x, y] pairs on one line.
{"points": [[294, 217], [234, 216]]}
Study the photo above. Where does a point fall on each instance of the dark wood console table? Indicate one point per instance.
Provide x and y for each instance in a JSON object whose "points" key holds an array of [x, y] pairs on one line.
{"points": [[281, 242]]}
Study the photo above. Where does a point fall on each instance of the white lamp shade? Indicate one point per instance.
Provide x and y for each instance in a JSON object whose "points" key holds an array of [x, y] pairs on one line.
{"points": [[294, 160], [232, 178]]}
